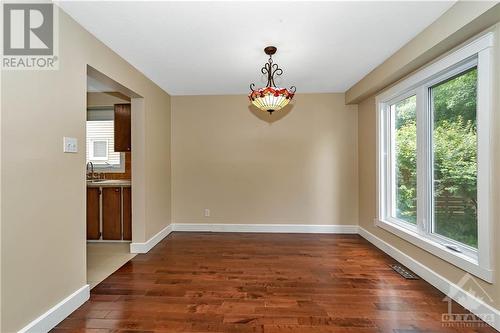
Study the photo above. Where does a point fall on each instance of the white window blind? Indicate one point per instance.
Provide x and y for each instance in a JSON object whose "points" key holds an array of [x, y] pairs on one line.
{"points": [[101, 143]]}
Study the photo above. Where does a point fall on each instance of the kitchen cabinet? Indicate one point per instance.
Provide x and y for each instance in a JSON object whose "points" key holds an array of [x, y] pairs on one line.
{"points": [[93, 214], [127, 213], [111, 213], [123, 138]]}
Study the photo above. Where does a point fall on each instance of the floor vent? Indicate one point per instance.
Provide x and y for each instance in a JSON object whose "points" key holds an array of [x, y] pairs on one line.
{"points": [[404, 272]]}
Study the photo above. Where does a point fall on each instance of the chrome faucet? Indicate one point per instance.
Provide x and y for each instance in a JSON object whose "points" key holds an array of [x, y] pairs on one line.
{"points": [[91, 175]]}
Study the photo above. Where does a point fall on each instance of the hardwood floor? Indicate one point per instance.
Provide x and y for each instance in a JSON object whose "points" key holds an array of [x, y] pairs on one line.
{"points": [[267, 283]]}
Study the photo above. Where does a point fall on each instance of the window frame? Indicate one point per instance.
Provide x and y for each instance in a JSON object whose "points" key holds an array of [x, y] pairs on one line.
{"points": [[478, 52]]}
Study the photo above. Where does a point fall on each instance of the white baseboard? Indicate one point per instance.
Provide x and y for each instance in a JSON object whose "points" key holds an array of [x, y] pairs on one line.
{"points": [[219, 227], [278, 228], [453, 291], [148, 245], [59, 312]]}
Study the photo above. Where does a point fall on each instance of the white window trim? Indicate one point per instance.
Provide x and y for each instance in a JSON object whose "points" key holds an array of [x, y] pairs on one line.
{"points": [[477, 262]]}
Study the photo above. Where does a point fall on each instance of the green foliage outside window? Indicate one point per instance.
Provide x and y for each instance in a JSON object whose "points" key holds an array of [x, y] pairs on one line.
{"points": [[406, 160], [455, 158]]}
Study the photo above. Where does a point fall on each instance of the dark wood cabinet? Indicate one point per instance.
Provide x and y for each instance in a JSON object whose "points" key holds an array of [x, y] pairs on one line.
{"points": [[111, 213], [123, 138], [127, 213], [93, 231]]}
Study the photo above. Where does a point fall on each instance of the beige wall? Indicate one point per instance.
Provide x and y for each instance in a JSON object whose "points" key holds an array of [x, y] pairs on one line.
{"points": [[95, 99], [300, 169], [43, 190], [367, 197]]}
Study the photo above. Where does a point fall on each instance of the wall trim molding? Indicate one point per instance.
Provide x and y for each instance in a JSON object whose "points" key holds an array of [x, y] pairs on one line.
{"points": [[271, 228], [453, 291], [58, 312], [149, 244], [220, 227]]}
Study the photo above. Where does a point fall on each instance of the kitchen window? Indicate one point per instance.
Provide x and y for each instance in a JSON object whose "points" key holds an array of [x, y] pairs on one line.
{"points": [[434, 157], [100, 142]]}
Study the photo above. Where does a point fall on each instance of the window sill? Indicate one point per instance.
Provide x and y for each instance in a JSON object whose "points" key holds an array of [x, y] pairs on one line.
{"points": [[468, 264]]}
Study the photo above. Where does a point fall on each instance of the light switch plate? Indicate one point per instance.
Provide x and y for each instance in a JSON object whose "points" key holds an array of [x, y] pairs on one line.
{"points": [[70, 145]]}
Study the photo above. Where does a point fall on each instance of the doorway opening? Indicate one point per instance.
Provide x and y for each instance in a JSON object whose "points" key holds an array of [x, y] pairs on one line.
{"points": [[108, 176]]}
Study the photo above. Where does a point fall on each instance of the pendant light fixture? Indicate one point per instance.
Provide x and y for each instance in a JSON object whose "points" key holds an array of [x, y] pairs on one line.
{"points": [[271, 98]]}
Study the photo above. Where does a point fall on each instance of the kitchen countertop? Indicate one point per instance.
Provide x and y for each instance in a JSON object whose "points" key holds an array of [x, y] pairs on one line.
{"points": [[109, 183]]}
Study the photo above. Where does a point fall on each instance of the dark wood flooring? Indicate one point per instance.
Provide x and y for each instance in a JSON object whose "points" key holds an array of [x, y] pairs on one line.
{"points": [[261, 283]]}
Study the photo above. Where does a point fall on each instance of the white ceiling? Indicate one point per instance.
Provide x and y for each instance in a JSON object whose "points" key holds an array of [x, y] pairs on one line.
{"points": [[203, 48]]}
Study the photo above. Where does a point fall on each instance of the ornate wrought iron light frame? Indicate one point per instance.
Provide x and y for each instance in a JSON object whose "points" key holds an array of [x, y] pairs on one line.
{"points": [[271, 98]]}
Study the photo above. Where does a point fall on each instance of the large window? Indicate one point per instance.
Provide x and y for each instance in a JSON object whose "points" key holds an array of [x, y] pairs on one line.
{"points": [[433, 152]]}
